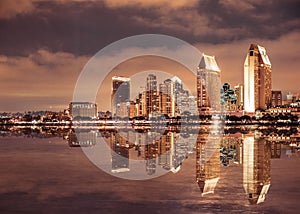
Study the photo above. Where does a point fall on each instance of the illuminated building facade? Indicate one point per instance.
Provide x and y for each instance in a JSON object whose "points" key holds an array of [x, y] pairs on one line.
{"points": [[257, 79], [120, 92], [208, 84], [167, 96], [276, 98], [228, 98], [152, 96], [239, 94], [83, 110]]}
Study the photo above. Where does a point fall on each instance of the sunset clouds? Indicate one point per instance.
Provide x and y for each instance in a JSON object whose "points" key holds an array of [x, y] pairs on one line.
{"points": [[45, 44], [151, 3], [42, 77], [9, 9]]}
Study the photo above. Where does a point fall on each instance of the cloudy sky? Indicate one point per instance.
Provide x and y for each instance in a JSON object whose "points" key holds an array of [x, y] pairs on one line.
{"points": [[44, 45]]}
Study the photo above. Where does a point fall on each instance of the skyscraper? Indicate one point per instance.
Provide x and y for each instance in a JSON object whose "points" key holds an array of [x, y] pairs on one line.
{"points": [[276, 98], [257, 79], [167, 93], [239, 93], [208, 84], [120, 92], [152, 96], [83, 110], [228, 98], [151, 83]]}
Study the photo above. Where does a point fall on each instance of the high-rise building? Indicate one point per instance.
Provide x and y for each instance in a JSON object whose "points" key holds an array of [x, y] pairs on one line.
{"points": [[228, 98], [151, 83], [276, 98], [120, 92], [140, 103], [152, 96], [83, 110], [193, 105], [152, 103], [257, 79], [239, 93], [167, 93], [174, 99], [132, 110], [208, 84], [123, 109]]}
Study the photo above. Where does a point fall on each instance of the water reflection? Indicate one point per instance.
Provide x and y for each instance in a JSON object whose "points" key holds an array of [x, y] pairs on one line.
{"points": [[256, 167], [165, 151], [119, 153], [207, 163], [249, 147], [82, 137]]}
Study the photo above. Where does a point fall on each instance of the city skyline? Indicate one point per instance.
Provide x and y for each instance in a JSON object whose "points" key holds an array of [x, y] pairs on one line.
{"points": [[169, 97], [149, 106], [45, 44]]}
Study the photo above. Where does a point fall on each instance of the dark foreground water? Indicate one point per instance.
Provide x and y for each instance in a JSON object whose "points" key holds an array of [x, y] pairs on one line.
{"points": [[44, 171]]}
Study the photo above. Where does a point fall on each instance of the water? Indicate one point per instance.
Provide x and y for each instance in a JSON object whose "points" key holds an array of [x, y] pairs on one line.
{"points": [[251, 170]]}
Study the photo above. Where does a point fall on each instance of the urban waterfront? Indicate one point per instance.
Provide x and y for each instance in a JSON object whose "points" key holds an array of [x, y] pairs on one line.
{"points": [[248, 170], [186, 106]]}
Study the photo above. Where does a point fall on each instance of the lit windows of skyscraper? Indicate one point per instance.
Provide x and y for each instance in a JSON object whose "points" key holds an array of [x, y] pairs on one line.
{"points": [[83, 110], [151, 83], [228, 98], [239, 93], [276, 98], [152, 96], [120, 92], [208, 84], [167, 94], [193, 105], [257, 79]]}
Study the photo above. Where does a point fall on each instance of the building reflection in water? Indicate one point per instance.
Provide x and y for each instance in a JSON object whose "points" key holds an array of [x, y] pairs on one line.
{"points": [[276, 150], [256, 167], [119, 153], [207, 163], [252, 151], [167, 150], [82, 137]]}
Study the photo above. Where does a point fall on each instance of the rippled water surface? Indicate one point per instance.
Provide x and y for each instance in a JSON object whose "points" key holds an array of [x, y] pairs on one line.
{"points": [[46, 171]]}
